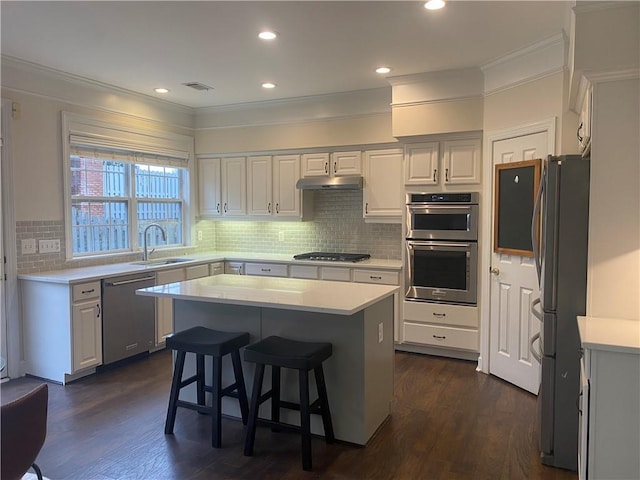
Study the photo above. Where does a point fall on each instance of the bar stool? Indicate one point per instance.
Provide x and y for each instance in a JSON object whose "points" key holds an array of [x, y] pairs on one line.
{"points": [[280, 353], [207, 342]]}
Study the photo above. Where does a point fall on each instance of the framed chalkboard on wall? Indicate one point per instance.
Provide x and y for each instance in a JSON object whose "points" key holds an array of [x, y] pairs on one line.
{"points": [[516, 185]]}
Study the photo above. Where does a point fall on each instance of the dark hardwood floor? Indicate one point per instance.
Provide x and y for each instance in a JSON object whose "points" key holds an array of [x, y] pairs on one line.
{"points": [[449, 422]]}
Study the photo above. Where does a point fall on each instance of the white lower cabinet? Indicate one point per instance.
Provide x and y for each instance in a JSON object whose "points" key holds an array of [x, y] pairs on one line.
{"points": [[62, 329], [441, 325], [164, 306], [303, 271], [234, 268], [335, 273], [86, 326], [609, 443]]}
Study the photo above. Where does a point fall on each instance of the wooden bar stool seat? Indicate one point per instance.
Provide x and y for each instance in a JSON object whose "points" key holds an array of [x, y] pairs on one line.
{"points": [[278, 353], [203, 342]]}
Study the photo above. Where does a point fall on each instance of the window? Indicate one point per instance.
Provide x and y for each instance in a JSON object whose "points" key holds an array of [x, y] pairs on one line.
{"points": [[114, 193]]}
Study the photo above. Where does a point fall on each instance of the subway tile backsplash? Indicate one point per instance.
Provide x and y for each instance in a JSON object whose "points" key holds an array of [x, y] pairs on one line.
{"points": [[336, 226]]}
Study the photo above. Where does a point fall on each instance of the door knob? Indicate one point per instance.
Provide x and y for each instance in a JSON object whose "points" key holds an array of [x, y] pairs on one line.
{"points": [[494, 270]]}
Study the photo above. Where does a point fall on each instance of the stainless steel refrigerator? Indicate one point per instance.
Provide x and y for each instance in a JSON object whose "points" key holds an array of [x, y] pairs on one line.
{"points": [[561, 260]]}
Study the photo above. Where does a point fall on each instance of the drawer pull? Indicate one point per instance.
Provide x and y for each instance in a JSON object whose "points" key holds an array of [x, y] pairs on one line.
{"points": [[88, 291], [439, 337], [372, 277], [265, 269], [439, 315]]}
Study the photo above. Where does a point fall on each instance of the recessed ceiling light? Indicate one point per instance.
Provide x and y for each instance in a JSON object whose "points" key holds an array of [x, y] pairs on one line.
{"points": [[434, 4], [161, 90], [267, 35], [268, 85], [383, 70]]}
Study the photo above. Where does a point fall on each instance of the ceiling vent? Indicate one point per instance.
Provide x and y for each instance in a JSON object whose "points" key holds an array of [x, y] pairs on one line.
{"points": [[197, 86]]}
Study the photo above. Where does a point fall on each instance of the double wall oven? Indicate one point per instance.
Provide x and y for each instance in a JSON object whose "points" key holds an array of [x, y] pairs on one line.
{"points": [[442, 247]]}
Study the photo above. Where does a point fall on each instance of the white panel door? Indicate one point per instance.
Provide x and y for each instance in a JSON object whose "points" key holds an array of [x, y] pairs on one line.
{"points": [[383, 192], [514, 285], [234, 186]]}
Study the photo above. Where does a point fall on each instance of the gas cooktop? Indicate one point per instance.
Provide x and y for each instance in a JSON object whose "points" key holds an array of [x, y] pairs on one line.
{"points": [[333, 257]]}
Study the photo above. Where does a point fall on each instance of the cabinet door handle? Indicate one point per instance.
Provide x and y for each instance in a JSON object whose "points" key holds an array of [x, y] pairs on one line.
{"points": [[277, 208], [366, 207], [265, 269], [439, 315], [446, 174], [218, 207], [225, 207], [580, 137], [435, 175], [326, 167], [88, 291], [439, 337], [269, 207], [99, 310], [335, 167], [373, 277]]}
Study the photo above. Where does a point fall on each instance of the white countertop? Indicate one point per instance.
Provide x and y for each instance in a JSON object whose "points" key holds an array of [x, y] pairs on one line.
{"points": [[342, 298], [613, 334], [97, 272]]}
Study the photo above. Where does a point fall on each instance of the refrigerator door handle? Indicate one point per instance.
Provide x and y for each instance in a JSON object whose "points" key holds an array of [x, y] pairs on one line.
{"points": [[535, 221], [537, 355]]}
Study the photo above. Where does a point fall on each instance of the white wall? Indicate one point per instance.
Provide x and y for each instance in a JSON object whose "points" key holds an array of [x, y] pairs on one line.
{"points": [[614, 214]]}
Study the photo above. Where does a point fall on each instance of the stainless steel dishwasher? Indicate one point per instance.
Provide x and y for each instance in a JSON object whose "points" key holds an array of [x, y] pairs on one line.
{"points": [[128, 320]]}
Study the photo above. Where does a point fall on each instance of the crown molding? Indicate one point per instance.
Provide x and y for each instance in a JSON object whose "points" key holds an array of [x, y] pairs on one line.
{"points": [[528, 64], [595, 6]]}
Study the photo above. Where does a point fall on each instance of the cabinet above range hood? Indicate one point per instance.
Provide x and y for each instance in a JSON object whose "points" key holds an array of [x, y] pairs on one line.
{"points": [[347, 182]]}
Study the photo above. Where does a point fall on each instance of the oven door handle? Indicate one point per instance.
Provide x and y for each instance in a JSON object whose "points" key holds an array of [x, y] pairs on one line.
{"points": [[458, 245], [434, 208]]}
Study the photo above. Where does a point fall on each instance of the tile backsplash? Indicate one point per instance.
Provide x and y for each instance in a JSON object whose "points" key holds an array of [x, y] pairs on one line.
{"points": [[336, 226]]}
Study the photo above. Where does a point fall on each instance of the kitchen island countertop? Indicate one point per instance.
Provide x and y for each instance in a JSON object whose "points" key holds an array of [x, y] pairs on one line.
{"points": [[340, 298]]}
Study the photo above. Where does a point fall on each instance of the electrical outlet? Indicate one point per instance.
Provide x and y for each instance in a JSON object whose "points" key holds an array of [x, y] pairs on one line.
{"points": [[49, 246], [199, 234], [28, 246], [281, 236], [380, 333]]}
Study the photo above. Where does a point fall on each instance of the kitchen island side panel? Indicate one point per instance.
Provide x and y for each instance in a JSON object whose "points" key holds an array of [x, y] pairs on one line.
{"points": [[359, 374]]}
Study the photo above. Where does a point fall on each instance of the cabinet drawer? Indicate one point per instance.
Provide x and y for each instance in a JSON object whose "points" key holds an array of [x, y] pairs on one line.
{"points": [[441, 313], [197, 271], [447, 337], [216, 268], [303, 271], [84, 291], [234, 268], [267, 269], [333, 273], [375, 276]]}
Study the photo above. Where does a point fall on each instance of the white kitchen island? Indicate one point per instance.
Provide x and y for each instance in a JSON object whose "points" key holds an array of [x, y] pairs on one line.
{"points": [[357, 319]]}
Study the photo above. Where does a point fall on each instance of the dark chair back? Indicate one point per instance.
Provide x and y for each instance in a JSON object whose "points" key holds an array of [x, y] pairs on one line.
{"points": [[24, 427]]}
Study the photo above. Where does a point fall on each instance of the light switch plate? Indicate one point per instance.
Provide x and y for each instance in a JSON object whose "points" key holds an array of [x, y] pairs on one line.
{"points": [[49, 246], [28, 246]]}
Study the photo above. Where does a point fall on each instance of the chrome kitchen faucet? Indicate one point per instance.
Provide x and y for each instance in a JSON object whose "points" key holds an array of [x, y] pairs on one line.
{"points": [[145, 253]]}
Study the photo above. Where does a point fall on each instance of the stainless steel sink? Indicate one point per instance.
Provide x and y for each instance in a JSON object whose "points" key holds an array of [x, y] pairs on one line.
{"points": [[162, 261]]}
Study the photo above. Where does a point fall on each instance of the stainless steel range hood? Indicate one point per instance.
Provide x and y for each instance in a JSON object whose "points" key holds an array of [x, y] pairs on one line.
{"points": [[349, 182]]}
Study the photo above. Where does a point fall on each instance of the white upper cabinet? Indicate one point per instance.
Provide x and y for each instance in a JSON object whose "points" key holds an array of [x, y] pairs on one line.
{"points": [[461, 161], [286, 197], [421, 164], [209, 186], [335, 164], [383, 196], [234, 186], [315, 165], [450, 162], [346, 163], [259, 182]]}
